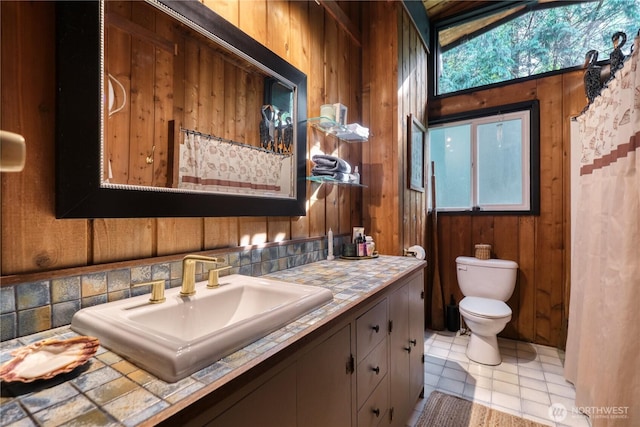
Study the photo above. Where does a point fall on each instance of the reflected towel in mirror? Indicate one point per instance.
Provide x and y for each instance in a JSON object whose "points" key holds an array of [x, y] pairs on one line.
{"points": [[327, 163]]}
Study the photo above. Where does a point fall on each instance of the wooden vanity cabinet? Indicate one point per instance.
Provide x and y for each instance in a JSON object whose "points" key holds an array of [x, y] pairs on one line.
{"points": [[416, 333], [324, 383], [375, 410], [406, 354], [313, 390], [273, 404], [372, 350], [365, 369]]}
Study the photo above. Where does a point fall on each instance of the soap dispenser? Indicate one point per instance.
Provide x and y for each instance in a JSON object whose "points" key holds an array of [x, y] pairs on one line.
{"points": [[355, 176], [361, 246]]}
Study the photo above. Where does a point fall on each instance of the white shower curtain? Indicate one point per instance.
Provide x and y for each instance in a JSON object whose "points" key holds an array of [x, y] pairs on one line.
{"points": [[603, 343]]}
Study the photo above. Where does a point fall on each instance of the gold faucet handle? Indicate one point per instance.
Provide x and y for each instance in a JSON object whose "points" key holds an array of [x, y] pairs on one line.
{"points": [[202, 258], [189, 272], [213, 276], [157, 291]]}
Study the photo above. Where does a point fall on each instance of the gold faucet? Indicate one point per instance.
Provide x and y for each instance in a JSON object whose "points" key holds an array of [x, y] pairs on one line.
{"points": [[189, 272], [157, 291], [214, 278]]}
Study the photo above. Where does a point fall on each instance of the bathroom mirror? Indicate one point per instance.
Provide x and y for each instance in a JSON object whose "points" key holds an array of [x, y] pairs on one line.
{"points": [[166, 109]]}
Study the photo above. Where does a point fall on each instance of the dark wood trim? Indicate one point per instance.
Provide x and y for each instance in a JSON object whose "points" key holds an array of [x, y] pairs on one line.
{"points": [[342, 19], [139, 31], [418, 14]]}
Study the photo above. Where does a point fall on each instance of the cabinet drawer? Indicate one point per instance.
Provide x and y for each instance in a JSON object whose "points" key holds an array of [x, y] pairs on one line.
{"points": [[371, 371], [376, 407], [371, 327]]}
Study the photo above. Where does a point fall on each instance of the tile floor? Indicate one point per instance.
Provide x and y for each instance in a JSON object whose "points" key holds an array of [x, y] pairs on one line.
{"points": [[527, 382]]}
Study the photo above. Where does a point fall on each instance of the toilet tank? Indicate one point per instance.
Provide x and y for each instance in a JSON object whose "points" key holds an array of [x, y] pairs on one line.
{"points": [[490, 278]]}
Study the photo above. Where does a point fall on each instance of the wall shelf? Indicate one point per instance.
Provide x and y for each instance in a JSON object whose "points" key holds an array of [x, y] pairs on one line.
{"points": [[328, 180], [331, 127]]}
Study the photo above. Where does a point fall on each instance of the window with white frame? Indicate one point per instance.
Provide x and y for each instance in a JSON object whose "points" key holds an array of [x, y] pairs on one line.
{"points": [[487, 161]]}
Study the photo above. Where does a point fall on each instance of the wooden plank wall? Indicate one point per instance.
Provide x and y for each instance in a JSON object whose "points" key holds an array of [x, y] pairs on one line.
{"points": [[412, 100], [539, 244], [366, 77], [33, 240], [395, 86]]}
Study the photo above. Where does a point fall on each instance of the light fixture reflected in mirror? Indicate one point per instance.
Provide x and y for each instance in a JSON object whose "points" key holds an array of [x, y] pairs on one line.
{"points": [[116, 95]]}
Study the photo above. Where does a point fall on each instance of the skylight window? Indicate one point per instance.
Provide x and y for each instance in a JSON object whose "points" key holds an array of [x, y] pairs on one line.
{"points": [[529, 39]]}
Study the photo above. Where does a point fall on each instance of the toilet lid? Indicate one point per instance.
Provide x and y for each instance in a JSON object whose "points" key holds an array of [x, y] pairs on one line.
{"points": [[485, 307]]}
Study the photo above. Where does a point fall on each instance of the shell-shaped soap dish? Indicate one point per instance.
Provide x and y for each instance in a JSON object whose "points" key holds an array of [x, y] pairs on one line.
{"points": [[47, 358]]}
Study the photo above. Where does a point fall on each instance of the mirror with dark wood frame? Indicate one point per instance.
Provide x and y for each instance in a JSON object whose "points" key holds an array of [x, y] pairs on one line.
{"points": [[166, 109]]}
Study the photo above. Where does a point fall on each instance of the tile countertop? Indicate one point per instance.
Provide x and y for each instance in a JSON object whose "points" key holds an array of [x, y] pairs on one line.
{"points": [[111, 391]]}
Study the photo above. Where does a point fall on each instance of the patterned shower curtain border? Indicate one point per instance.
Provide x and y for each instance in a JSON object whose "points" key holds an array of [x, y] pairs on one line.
{"points": [[620, 152]]}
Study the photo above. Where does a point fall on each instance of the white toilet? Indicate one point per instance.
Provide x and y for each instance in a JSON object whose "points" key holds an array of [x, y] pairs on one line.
{"points": [[486, 285]]}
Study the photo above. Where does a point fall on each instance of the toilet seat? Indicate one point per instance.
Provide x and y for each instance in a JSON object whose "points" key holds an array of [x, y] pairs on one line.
{"points": [[485, 307]]}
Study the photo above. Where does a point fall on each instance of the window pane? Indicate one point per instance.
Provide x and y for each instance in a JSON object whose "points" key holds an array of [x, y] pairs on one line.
{"points": [[539, 41], [451, 152], [500, 163]]}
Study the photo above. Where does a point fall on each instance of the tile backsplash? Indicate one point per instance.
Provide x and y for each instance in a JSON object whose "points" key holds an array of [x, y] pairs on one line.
{"points": [[27, 308]]}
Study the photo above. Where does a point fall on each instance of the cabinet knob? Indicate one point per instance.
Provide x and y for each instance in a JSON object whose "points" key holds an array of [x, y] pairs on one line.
{"points": [[376, 370], [377, 412], [376, 328], [414, 342], [408, 349]]}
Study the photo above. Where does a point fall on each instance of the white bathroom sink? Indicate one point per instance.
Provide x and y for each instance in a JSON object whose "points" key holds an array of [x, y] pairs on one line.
{"points": [[184, 334]]}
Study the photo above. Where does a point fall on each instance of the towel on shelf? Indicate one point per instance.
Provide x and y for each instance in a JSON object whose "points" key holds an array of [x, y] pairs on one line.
{"points": [[338, 176], [361, 131], [327, 163]]}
